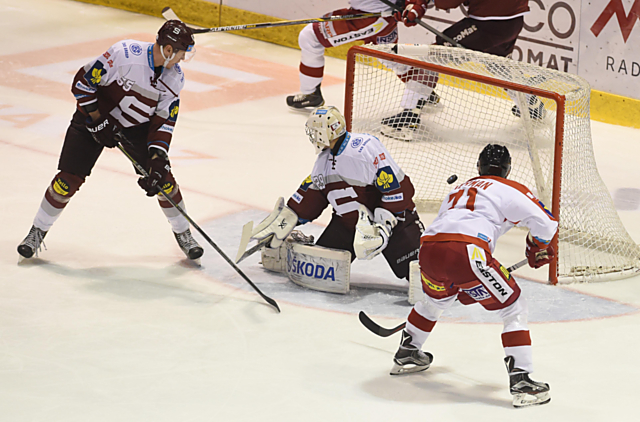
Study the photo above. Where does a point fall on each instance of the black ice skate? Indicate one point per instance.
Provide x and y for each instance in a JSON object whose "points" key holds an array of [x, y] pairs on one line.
{"points": [[306, 101], [410, 359], [189, 245], [32, 243], [402, 125], [536, 109], [525, 391]]}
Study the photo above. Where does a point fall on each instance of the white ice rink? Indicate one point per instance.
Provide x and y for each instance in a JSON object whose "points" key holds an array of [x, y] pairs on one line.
{"points": [[112, 324]]}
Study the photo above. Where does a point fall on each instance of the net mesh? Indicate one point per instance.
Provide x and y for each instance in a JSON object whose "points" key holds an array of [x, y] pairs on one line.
{"points": [[432, 140]]}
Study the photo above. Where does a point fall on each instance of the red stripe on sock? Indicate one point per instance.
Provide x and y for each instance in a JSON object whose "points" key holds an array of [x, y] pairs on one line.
{"points": [[421, 322], [313, 72], [516, 338]]}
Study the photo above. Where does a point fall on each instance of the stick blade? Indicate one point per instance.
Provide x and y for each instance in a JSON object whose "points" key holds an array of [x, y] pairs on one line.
{"points": [[169, 14], [244, 240], [376, 329]]}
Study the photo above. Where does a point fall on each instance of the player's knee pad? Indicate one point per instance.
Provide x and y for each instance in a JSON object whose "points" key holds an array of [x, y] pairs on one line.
{"points": [[63, 186], [312, 50], [170, 188], [431, 309]]}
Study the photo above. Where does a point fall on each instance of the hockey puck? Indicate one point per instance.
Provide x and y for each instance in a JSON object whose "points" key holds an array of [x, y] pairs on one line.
{"points": [[452, 179]]}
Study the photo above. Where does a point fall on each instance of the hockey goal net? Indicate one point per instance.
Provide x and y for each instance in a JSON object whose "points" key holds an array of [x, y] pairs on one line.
{"points": [[551, 149]]}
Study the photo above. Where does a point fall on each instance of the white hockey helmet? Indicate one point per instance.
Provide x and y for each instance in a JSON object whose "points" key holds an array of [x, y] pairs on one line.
{"points": [[324, 125]]}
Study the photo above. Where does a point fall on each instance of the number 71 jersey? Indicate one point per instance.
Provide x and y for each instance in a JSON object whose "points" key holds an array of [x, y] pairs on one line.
{"points": [[484, 208], [361, 172]]}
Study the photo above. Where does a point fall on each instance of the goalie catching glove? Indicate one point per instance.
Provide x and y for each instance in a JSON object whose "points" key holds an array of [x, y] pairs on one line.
{"points": [[372, 235], [538, 255], [278, 224]]}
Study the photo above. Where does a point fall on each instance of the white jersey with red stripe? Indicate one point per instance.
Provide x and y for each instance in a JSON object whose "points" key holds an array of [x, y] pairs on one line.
{"points": [[482, 209], [361, 172], [124, 83]]}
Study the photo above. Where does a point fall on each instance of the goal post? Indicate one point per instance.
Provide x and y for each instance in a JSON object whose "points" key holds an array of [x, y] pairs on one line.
{"points": [[480, 96]]}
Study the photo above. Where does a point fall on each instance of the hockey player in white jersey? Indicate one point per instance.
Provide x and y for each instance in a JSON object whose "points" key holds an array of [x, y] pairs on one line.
{"points": [[372, 198], [128, 95], [456, 262]]}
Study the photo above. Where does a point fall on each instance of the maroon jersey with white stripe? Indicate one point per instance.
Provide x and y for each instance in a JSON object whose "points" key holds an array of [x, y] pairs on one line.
{"points": [[125, 84], [361, 172], [488, 9]]}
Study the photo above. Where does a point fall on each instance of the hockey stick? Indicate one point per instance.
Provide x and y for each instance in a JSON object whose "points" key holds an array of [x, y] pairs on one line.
{"points": [[425, 25], [386, 332], [202, 232], [254, 249], [169, 14]]}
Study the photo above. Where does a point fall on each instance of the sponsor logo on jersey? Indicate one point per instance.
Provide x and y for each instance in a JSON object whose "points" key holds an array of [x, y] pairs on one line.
{"points": [[61, 187], [356, 142], [484, 237], [126, 49], [136, 49], [393, 198], [430, 285], [386, 180], [478, 293], [306, 183], [544, 207], [94, 75], [173, 110], [388, 39], [499, 288], [477, 254], [297, 197], [311, 269]]}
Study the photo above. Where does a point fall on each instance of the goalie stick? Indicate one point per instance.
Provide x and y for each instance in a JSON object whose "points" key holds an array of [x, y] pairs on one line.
{"points": [[202, 232], [244, 242], [386, 332], [169, 14]]}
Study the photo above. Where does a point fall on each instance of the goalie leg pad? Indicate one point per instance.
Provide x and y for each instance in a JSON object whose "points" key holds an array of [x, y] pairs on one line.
{"points": [[318, 268]]}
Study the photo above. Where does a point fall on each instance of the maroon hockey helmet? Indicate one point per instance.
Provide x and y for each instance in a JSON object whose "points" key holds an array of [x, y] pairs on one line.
{"points": [[176, 34]]}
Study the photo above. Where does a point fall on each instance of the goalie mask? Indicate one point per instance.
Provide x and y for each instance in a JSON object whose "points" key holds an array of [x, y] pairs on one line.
{"points": [[324, 125], [494, 160]]}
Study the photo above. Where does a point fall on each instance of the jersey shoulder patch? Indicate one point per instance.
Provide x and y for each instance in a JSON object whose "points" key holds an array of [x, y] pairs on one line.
{"points": [[386, 179], [306, 183]]}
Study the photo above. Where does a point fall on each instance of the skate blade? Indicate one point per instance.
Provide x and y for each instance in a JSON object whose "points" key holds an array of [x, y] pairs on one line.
{"points": [[405, 135], [405, 369], [526, 400]]}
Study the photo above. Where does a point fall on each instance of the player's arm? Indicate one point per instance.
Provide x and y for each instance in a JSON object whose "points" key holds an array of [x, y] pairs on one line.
{"points": [[308, 201], [102, 71], [413, 10], [530, 212]]}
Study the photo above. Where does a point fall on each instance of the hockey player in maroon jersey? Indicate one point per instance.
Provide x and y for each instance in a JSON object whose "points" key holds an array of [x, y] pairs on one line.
{"points": [[128, 95], [456, 262], [315, 38], [491, 27], [371, 197]]}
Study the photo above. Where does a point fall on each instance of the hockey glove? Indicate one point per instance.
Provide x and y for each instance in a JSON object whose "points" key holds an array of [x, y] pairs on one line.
{"points": [[158, 169], [370, 238], [105, 131], [278, 224], [413, 10], [536, 255]]}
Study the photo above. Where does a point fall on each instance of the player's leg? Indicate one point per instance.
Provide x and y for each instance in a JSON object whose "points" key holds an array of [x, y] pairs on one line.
{"points": [[337, 236], [179, 224], [79, 154], [438, 261], [497, 291], [313, 40], [404, 244]]}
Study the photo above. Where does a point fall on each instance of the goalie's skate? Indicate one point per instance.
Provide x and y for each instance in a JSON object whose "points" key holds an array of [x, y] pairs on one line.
{"points": [[409, 359], [306, 101], [188, 244], [32, 243], [525, 391]]}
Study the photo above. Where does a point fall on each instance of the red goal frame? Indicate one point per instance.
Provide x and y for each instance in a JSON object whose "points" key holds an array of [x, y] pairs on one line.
{"points": [[554, 96]]}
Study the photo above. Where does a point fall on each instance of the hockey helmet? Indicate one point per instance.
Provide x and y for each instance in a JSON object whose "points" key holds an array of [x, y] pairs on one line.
{"points": [[494, 160], [324, 125], [176, 34]]}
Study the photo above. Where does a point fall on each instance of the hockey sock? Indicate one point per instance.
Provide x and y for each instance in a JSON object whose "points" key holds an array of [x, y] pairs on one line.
{"points": [[62, 188], [515, 334], [178, 222], [311, 60]]}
